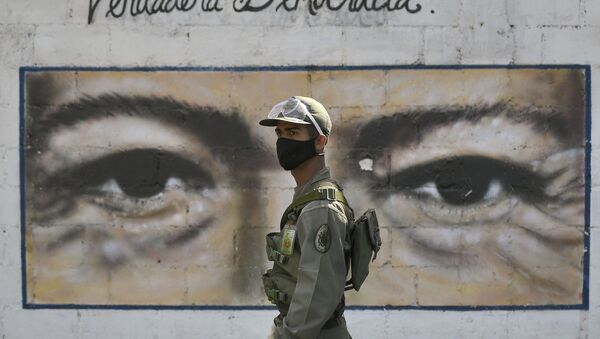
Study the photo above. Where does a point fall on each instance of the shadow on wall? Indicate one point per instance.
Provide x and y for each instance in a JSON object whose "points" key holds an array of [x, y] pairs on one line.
{"points": [[157, 188]]}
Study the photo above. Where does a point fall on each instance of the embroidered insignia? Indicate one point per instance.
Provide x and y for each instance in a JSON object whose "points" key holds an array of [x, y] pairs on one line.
{"points": [[323, 239]]}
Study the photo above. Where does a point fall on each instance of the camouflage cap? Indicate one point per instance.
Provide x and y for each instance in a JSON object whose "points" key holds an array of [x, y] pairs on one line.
{"points": [[315, 108]]}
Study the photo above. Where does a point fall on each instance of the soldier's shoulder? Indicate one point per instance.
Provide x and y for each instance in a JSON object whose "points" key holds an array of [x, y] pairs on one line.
{"points": [[323, 207]]}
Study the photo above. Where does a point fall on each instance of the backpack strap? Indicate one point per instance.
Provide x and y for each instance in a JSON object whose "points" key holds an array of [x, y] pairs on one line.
{"points": [[325, 192]]}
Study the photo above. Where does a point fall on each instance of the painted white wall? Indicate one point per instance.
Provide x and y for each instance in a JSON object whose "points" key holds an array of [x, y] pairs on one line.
{"points": [[56, 33]]}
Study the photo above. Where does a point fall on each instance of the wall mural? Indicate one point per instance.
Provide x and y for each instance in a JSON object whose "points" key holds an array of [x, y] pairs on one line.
{"points": [[157, 187]]}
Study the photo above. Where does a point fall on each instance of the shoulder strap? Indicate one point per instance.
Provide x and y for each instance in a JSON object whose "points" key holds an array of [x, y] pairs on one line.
{"points": [[325, 192]]}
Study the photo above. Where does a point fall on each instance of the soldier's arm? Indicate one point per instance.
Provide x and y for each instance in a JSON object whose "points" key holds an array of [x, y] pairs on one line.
{"points": [[321, 273]]}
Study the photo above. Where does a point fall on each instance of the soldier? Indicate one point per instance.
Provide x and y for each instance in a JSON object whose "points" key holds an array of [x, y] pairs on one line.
{"points": [[311, 252]]}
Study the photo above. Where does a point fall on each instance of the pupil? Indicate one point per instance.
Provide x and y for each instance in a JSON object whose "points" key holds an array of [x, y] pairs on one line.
{"points": [[461, 184], [141, 174]]}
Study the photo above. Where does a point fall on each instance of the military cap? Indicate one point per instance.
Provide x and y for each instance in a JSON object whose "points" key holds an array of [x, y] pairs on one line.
{"points": [[290, 111]]}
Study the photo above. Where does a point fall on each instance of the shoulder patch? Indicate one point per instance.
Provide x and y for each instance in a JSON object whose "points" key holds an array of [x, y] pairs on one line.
{"points": [[323, 238]]}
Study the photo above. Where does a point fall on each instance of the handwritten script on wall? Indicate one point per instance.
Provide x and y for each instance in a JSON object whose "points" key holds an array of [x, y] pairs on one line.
{"points": [[119, 8]]}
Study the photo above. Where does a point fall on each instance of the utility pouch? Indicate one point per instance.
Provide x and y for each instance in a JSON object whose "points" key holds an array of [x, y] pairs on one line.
{"points": [[366, 242], [287, 263], [279, 287], [269, 287], [273, 248]]}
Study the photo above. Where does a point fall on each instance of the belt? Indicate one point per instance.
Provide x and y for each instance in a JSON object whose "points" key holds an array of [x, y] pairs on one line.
{"points": [[333, 322]]}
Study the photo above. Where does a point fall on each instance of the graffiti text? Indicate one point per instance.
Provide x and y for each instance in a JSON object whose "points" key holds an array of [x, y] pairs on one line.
{"points": [[117, 8], [333, 5]]}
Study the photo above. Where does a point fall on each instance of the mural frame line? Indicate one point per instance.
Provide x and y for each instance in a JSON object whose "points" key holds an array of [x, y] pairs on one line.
{"points": [[584, 305]]}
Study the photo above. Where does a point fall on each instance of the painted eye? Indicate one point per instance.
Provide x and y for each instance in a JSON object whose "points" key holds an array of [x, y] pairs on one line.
{"points": [[461, 190], [132, 182], [469, 180], [141, 173], [160, 199]]}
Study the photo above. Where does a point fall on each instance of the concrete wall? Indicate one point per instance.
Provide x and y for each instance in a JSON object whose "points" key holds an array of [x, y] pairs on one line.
{"points": [[544, 296]]}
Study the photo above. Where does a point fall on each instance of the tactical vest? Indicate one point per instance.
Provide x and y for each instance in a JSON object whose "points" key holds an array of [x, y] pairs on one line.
{"points": [[280, 281]]}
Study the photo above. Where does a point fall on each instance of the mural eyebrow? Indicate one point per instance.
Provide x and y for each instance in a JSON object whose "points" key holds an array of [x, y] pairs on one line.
{"points": [[220, 130], [403, 128]]}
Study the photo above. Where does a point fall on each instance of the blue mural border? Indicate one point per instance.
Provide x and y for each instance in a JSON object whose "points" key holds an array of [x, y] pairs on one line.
{"points": [[588, 149]]}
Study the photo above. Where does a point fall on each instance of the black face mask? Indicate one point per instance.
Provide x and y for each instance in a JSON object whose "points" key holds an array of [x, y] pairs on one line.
{"points": [[291, 153]]}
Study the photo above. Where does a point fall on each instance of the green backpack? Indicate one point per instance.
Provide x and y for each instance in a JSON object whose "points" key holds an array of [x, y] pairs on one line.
{"points": [[364, 233]]}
